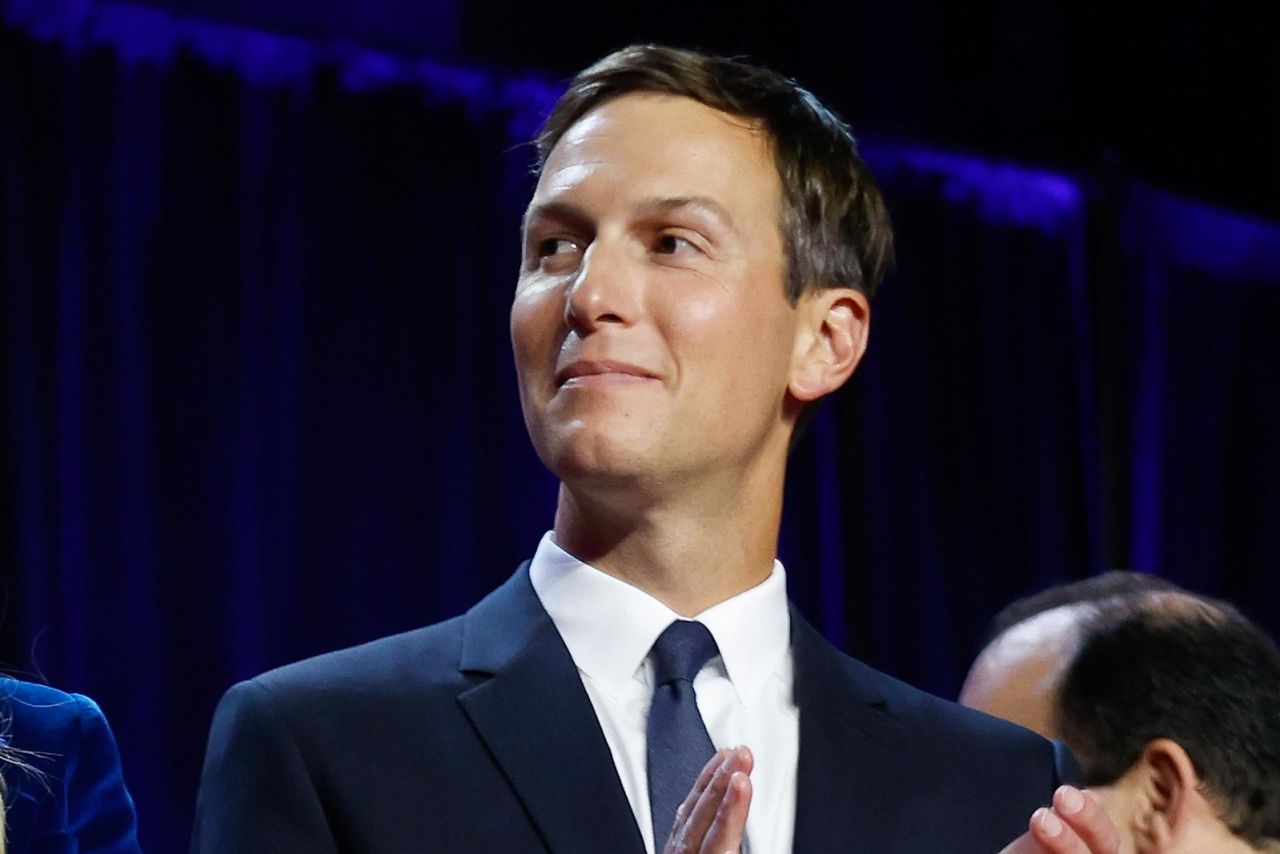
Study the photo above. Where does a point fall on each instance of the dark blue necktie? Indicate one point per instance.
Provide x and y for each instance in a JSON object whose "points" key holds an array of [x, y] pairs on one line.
{"points": [[677, 738]]}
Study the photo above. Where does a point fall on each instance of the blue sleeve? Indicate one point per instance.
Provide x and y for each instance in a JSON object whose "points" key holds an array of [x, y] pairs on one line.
{"points": [[65, 789], [100, 812]]}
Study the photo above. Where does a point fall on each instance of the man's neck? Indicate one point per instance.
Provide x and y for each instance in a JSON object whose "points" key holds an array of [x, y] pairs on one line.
{"points": [[688, 555]]}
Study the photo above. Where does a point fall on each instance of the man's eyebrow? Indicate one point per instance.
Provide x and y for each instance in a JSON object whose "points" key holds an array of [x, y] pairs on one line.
{"points": [[703, 204], [555, 210], [568, 212]]}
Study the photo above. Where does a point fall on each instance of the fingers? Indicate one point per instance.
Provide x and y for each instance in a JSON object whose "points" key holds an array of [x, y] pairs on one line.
{"points": [[1082, 810], [1077, 824], [1053, 836], [716, 807], [730, 824], [704, 780]]}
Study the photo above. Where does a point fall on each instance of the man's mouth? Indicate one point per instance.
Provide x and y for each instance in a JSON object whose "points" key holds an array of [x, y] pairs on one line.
{"points": [[587, 372]]}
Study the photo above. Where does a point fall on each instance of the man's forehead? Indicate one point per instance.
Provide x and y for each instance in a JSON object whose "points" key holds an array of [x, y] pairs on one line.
{"points": [[673, 120], [658, 103], [685, 154]]}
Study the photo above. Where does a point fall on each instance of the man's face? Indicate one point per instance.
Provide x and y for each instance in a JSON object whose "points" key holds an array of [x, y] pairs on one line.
{"points": [[652, 335]]}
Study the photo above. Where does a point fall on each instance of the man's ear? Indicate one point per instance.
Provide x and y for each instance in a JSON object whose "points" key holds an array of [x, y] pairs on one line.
{"points": [[1168, 789], [832, 337]]}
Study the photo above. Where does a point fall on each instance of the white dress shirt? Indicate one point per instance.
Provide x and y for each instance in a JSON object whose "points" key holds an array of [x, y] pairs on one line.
{"points": [[744, 694]]}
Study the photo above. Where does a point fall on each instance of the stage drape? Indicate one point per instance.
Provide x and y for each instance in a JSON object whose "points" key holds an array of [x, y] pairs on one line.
{"points": [[259, 400]]}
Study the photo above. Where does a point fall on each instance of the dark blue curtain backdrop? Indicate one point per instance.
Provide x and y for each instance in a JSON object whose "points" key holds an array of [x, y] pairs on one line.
{"points": [[258, 400]]}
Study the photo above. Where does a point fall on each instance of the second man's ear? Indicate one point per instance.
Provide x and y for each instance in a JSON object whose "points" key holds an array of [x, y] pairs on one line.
{"points": [[834, 324], [1168, 791]]}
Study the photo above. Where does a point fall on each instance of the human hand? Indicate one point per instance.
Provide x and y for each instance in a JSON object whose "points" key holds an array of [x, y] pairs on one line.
{"points": [[1077, 823], [713, 818]]}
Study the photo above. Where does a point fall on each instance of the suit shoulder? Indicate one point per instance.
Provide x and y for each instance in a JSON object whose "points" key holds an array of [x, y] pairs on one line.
{"points": [[410, 661], [949, 718], [953, 733], [936, 709]]}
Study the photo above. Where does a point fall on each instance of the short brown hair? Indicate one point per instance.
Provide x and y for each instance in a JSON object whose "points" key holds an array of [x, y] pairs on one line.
{"points": [[834, 221]]}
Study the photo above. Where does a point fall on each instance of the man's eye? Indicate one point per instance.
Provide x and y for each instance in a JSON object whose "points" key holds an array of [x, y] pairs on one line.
{"points": [[558, 254], [671, 244], [556, 246]]}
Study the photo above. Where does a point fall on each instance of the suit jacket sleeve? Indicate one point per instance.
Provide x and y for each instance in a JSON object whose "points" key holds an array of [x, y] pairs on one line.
{"points": [[1066, 766], [257, 793]]}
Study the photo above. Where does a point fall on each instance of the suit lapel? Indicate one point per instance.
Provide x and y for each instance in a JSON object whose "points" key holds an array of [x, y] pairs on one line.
{"points": [[536, 719], [851, 752]]}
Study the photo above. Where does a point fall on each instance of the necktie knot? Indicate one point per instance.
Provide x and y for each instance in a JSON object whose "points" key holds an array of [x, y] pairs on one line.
{"points": [[682, 649]]}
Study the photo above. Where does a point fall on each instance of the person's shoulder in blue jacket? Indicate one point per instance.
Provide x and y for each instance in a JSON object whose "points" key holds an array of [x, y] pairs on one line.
{"points": [[64, 787]]}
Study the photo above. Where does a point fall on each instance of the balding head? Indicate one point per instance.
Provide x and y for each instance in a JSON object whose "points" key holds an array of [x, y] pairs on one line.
{"points": [[1170, 701], [1018, 674], [1033, 640]]}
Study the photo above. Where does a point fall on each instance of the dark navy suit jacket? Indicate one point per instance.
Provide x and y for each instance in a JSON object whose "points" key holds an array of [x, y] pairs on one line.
{"points": [[76, 801], [476, 735]]}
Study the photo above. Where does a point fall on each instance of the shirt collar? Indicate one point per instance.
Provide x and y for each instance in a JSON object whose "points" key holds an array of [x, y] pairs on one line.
{"points": [[609, 626]]}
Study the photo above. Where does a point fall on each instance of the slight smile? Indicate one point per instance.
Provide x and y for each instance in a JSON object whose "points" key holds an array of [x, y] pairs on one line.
{"points": [[587, 373]]}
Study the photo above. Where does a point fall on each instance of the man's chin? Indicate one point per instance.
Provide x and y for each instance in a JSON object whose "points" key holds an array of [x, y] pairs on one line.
{"points": [[598, 468], [599, 458]]}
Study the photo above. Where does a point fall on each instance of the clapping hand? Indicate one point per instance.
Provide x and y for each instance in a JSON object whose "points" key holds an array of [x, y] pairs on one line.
{"points": [[713, 818], [1075, 824]]}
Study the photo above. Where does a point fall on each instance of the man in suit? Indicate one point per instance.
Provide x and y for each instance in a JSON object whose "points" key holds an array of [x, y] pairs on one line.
{"points": [[699, 254]]}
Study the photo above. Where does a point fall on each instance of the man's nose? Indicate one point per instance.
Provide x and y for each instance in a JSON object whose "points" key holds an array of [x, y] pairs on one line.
{"points": [[606, 289]]}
